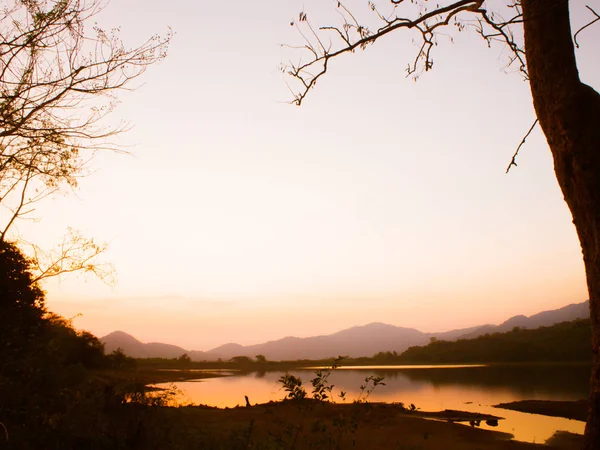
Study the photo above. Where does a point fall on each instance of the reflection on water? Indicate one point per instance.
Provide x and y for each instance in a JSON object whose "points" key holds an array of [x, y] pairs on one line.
{"points": [[436, 388], [221, 371], [402, 367]]}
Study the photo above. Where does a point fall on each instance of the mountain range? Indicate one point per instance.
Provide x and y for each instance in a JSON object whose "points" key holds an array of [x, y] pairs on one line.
{"points": [[365, 340]]}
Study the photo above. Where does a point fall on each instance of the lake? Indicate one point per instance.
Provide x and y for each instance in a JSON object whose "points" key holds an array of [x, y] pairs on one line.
{"points": [[430, 388]]}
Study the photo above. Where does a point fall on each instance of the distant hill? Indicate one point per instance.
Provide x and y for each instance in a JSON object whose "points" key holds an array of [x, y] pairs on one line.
{"points": [[355, 341], [545, 318], [458, 334], [566, 341], [137, 349], [365, 340], [228, 349]]}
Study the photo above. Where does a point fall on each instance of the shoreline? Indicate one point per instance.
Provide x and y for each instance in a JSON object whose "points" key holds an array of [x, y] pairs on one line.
{"points": [[388, 414], [313, 424], [573, 410]]}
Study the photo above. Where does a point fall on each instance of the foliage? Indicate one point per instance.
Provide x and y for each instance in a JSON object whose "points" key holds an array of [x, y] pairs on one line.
{"points": [[293, 386], [321, 387], [119, 360], [75, 253], [568, 341], [58, 79], [185, 359], [21, 304], [54, 62], [367, 388], [241, 360], [50, 397], [566, 108], [564, 342], [320, 434], [385, 357], [59, 74]]}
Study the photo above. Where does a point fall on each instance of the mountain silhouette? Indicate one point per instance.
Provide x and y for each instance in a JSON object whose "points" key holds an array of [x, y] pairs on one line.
{"points": [[365, 340], [542, 319], [355, 341], [137, 349]]}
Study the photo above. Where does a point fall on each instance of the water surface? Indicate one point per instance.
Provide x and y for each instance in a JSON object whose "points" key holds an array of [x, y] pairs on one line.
{"points": [[430, 388]]}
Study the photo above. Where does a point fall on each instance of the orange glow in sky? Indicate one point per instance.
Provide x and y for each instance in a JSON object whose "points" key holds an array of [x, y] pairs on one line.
{"points": [[241, 218]]}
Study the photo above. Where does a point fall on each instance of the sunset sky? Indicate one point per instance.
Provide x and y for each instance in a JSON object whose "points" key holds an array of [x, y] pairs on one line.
{"points": [[242, 218]]}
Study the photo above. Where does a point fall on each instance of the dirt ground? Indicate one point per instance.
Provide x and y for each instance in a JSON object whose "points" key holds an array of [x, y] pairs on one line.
{"points": [[311, 425]]}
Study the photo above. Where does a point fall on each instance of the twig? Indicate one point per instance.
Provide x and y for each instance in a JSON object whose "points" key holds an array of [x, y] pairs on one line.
{"points": [[362, 38], [513, 161], [585, 26]]}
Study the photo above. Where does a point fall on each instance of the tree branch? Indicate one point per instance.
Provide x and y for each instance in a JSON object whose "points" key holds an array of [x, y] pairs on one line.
{"points": [[352, 35], [57, 83], [513, 161], [585, 26]]}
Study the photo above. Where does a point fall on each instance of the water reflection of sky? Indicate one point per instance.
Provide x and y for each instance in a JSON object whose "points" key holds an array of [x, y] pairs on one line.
{"points": [[472, 389], [403, 367]]}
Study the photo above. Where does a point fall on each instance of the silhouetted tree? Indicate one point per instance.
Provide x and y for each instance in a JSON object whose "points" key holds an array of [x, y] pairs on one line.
{"points": [[241, 360], [21, 303], [48, 398], [568, 341], [59, 73], [119, 360], [27, 329], [69, 346], [261, 359], [567, 110], [185, 359]]}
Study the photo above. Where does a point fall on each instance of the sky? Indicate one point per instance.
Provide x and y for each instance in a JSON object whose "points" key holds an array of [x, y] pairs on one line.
{"points": [[239, 217]]}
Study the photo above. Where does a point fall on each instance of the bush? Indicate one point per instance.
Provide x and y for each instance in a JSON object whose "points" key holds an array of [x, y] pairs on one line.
{"points": [[49, 397]]}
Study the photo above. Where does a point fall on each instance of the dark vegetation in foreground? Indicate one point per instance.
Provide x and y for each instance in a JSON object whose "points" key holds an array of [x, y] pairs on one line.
{"points": [[51, 393]]}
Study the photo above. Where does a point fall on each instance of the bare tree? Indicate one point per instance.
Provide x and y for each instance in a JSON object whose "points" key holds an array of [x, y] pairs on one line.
{"points": [[59, 74], [542, 47], [75, 253]]}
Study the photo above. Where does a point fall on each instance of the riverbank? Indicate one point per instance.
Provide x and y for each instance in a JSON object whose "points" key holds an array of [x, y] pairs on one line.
{"points": [[384, 418], [149, 376], [576, 410], [310, 424]]}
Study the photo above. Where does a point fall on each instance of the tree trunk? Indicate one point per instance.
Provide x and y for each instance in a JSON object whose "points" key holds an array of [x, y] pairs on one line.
{"points": [[569, 114]]}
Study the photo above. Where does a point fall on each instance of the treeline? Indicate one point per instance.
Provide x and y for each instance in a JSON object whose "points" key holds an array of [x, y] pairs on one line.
{"points": [[563, 342], [58, 389], [239, 363]]}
